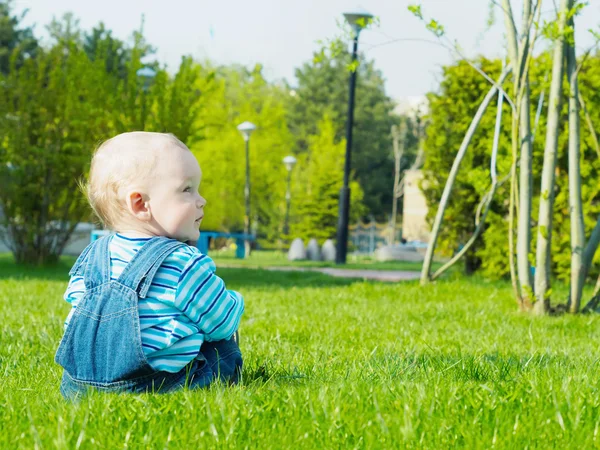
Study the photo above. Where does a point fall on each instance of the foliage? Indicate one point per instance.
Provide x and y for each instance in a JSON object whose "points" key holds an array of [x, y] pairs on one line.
{"points": [[461, 91], [53, 109], [57, 107], [84, 87], [236, 95], [13, 37], [323, 90], [320, 178], [99, 43]]}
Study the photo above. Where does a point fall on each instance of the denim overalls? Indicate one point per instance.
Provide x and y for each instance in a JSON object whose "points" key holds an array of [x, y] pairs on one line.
{"points": [[102, 347]]}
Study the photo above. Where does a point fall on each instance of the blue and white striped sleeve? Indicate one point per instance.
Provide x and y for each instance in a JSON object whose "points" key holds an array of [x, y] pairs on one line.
{"points": [[73, 295], [202, 297], [75, 290]]}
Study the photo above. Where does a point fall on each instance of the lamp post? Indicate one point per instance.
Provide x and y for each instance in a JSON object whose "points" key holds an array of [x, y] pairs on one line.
{"points": [[289, 162], [147, 74], [246, 129], [357, 21]]}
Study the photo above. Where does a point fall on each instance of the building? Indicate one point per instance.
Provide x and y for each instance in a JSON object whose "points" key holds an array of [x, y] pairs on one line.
{"points": [[414, 225]]}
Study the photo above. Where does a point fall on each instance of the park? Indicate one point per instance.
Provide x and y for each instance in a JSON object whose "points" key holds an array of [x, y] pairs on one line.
{"points": [[414, 275]]}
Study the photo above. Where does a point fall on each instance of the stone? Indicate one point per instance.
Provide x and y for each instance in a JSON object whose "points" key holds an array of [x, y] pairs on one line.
{"points": [[398, 253], [297, 251], [328, 251], [313, 251]]}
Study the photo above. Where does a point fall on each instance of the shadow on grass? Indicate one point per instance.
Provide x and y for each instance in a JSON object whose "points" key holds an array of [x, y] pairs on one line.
{"points": [[55, 272], [235, 278], [266, 374], [491, 368], [259, 260], [268, 278]]}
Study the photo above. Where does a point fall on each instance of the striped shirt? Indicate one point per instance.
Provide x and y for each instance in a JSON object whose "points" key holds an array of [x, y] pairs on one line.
{"points": [[186, 304]]}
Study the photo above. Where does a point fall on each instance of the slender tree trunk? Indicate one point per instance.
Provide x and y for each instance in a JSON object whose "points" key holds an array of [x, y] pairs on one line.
{"points": [[399, 138], [590, 125], [486, 201], [525, 193], [578, 271], [518, 53], [439, 217], [544, 233], [511, 32]]}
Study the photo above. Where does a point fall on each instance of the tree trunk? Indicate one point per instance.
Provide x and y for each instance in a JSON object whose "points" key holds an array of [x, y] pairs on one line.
{"points": [[486, 202], [525, 191], [544, 233], [590, 125], [439, 217], [578, 271], [399, 138], [518, 54]]}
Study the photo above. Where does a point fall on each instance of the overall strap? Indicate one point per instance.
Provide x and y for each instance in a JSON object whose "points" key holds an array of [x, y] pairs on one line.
{"points": [[79, 266], [140, 271], [97, 268]]}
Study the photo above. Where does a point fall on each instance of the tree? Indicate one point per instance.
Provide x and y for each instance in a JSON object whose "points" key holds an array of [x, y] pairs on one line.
{"points": [[322, 89], [456, 102], [230, 96], [520, 47], [463, 95], [561, 34], [99, 43], [12, 37], [56, 108], [55, 114], [318, 186], [544, 234], [176, 103]]}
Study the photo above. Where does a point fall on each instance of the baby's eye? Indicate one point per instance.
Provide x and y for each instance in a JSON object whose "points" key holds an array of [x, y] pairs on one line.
{"points": [[187, 189]]}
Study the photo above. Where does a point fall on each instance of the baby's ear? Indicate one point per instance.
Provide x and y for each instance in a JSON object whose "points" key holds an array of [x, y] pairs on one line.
{"points": [[137, 203]]}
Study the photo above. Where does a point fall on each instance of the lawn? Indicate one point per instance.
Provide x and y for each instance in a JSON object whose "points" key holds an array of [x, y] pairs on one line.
{"points": [[330, 363], [272, 258]]}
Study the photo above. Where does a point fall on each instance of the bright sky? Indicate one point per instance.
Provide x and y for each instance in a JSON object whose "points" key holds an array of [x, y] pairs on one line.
{"points": [[282, 34]]}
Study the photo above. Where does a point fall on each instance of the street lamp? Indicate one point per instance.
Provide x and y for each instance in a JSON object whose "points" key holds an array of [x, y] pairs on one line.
{"points": [[289, 162], [246, 129], [357, 20], [146, 74]]}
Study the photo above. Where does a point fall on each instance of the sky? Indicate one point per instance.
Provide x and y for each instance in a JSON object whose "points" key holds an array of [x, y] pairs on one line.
{"points": [[283, 34]]}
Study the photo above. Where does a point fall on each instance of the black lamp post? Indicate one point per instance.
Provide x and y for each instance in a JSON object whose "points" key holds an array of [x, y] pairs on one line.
{"points": [[147, 74], [357, 20], [246, 129], [289, 162]]}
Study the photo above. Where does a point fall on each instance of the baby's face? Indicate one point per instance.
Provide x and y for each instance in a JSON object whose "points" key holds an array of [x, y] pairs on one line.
{"points": [[176, 205]]}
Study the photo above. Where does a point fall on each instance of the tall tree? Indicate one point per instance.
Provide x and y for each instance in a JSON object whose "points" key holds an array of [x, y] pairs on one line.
{"points": [[544, 234], [12, 36], [100, 43], [318, 188], [55, 106], [229, 96], [519, 48], [322, 89]]}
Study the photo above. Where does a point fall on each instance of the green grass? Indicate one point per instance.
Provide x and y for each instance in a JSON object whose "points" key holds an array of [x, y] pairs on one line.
{"points": [[270, 258], [330, 363]]}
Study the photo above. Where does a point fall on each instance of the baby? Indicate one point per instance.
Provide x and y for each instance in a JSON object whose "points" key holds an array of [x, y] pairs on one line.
{"points": [[148, 312]]}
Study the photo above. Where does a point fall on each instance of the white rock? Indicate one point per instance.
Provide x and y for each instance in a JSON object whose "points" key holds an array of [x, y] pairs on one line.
{"points": [[297, 251], [328, 251], [313, 251]]}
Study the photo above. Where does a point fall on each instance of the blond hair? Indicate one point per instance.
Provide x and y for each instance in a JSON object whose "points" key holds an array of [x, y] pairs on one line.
{"points": [[119, 163]]}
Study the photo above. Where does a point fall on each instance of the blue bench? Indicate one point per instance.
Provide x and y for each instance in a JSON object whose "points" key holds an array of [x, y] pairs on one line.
{"points": [[240, 251], [203, 240]]}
